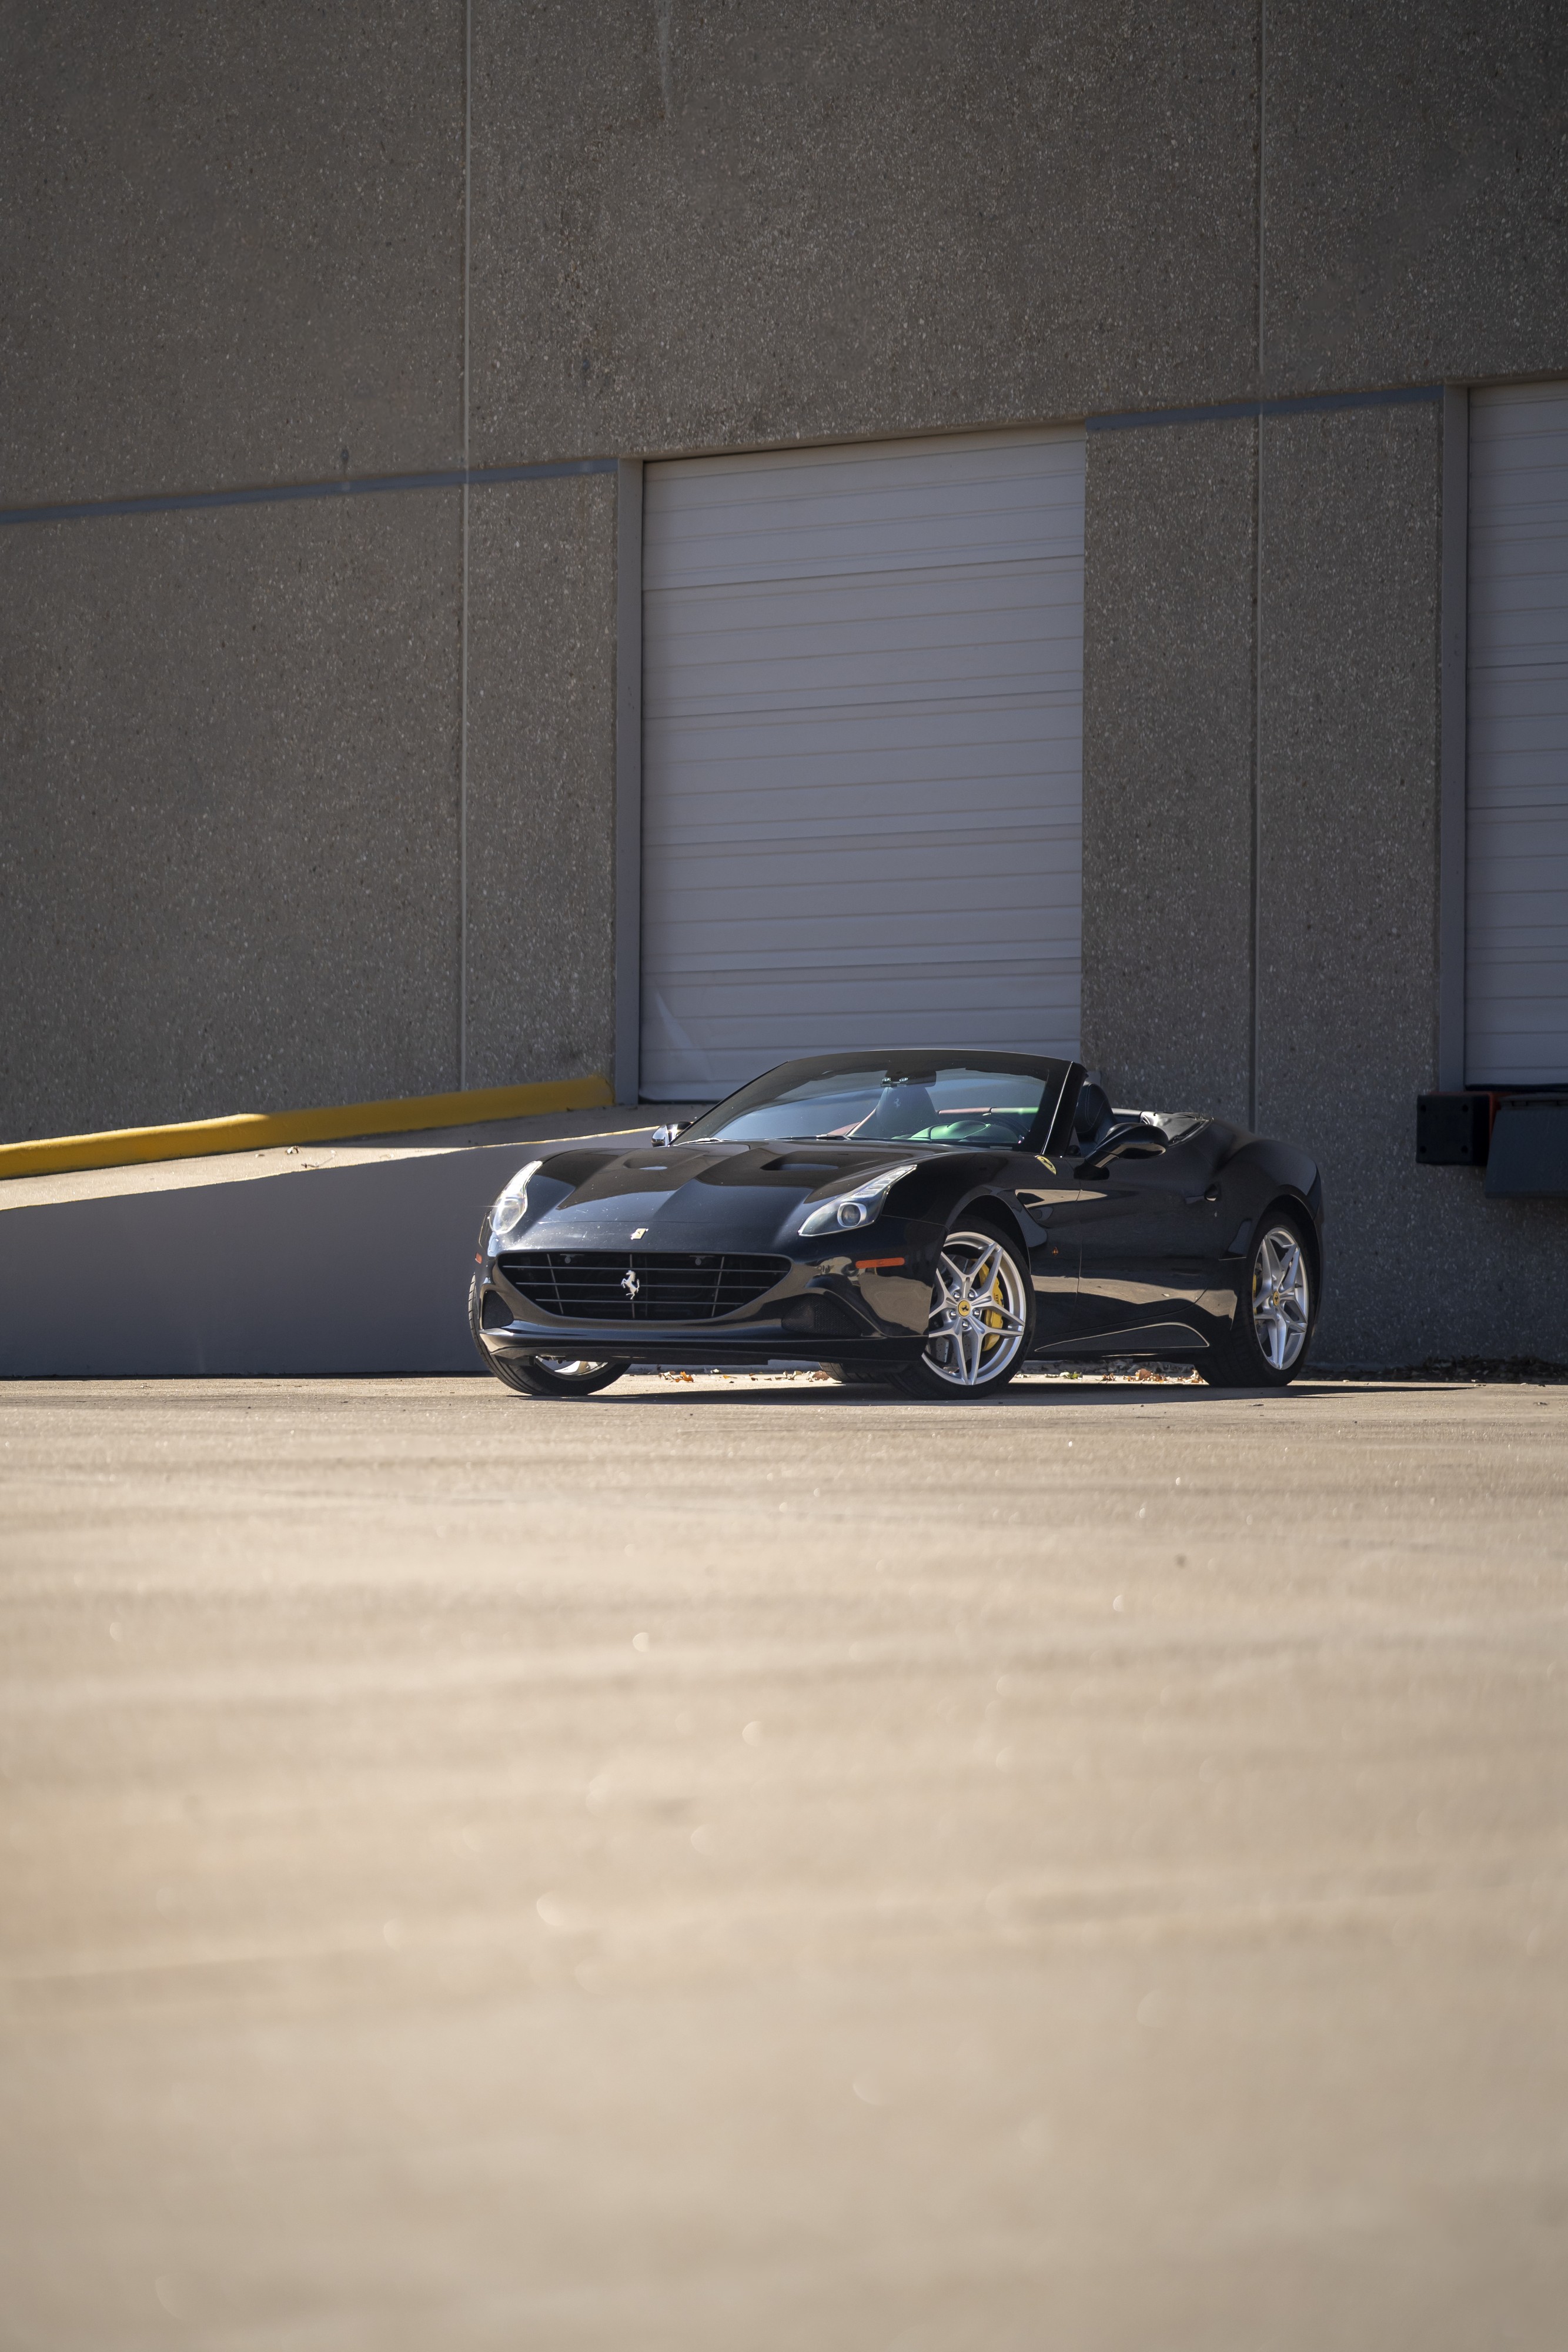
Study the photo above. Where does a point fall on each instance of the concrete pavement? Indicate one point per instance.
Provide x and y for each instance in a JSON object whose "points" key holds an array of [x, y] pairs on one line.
{"points": [[762, 1865]]}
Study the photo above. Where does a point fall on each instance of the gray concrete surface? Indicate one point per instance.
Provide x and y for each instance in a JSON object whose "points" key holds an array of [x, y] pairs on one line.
{"points": [[1347, 845], [541, 782], [233, 246], [733, 1864], [229, 836], [698, 228], [1168, 639], [247, 1167], [359, 1264], [1417, 192], [1421, 1264]]}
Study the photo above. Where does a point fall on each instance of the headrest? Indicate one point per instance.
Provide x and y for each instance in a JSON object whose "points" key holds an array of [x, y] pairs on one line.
{"points": [[901, 1110], [1094, 1110]]}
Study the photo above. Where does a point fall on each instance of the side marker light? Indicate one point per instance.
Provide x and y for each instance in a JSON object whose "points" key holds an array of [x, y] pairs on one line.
{"points": [[864, 1265]]}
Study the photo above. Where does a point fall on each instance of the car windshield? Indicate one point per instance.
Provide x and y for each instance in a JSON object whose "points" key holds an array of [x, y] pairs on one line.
{"points": [[901, 1100]]}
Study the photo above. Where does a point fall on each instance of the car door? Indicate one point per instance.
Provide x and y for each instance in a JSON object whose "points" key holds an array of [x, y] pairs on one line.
{"points": [[1041, 1188], [1149, 1233]]}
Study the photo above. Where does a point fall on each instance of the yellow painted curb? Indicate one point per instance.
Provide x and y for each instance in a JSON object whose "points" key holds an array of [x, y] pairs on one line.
{"points": [[123, 1147]]}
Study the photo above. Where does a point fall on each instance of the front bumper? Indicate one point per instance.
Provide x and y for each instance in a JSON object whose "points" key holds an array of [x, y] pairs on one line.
{"points": [[830, 1307]]}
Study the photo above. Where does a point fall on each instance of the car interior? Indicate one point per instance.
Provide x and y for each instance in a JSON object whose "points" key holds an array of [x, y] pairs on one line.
{"points": [[1096, 1121]]}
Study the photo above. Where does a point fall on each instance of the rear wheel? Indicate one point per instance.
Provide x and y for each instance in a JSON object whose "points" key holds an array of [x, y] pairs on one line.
{"points": [[982, 1320], [543, 1376], [1276, 1307]]}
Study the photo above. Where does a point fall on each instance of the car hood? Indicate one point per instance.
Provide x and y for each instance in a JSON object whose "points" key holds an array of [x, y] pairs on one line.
{"points": [[699, 1195]]}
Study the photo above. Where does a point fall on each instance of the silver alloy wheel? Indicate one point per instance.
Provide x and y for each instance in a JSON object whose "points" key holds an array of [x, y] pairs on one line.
{"points": [[577, 1369], [979, 1314], [1282, 1301]]}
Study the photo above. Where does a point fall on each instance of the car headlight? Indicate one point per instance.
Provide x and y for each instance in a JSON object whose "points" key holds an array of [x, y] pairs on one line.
{"points": [[848, 1209], [512, 1205]]}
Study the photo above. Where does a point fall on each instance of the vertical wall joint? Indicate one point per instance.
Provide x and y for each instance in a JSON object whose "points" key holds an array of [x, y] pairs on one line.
{"points": [[463, 621], [627, 778], [1452, 725]]}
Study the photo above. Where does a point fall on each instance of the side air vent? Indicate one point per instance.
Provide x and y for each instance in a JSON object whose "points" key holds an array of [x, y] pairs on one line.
{"points": [[630, 1286]]}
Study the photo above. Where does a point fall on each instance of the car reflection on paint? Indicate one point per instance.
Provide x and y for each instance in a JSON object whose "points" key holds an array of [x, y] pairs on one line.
{"points": [[929, 1220]]}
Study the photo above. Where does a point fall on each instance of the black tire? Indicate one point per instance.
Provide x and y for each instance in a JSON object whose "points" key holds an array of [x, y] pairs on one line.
{"points": [[1240, 1360], [1014, 1292], [531, 1376], [861, 1376]]}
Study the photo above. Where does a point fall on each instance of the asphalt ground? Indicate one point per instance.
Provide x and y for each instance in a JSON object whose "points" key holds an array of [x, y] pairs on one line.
{"points": [[761, 1865]]}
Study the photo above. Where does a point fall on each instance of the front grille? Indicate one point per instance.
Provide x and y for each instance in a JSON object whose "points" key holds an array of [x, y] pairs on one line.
{"points": [[591, 1285]]}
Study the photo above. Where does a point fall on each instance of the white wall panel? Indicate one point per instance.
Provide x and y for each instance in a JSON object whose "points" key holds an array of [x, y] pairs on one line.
{"points": [[1516, 916], [861, 754]]}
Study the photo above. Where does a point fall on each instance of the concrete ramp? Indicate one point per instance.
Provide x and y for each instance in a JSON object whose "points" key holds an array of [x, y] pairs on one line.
{"points": [[360, 1268]]}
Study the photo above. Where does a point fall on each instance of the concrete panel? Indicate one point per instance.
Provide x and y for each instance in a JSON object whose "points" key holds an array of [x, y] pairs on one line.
{"points": [[705, 227], [1168, 766], [228, 839], [345, 1270], [1420, 1263], [542, 780], [233, 243], [1416, 191]]}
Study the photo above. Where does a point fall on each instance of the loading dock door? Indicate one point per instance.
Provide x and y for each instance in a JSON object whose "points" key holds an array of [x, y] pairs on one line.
{"points": [[861, 754], [1516, 917]]}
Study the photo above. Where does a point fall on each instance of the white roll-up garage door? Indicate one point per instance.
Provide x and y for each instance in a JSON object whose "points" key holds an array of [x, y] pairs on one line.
{"points": [[861, 754], [1516, 941]]}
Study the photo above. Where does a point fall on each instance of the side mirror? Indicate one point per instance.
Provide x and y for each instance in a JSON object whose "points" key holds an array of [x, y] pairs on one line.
{"points": [[1130, 1138], [667, 1134]]}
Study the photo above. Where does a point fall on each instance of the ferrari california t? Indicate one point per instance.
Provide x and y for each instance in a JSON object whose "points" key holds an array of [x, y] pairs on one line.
{"points": [[928, 1221]]}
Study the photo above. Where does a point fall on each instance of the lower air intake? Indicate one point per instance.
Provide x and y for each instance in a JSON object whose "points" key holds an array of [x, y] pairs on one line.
{"points": [[620, 1287]]}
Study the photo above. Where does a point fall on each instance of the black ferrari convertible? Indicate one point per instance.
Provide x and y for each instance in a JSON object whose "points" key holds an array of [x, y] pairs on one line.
{"points": [[929, 1220]]}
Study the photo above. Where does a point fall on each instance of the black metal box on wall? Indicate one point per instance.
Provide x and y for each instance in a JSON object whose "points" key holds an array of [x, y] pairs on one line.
{"points": [[1529, 1156], [1453, 1130]]}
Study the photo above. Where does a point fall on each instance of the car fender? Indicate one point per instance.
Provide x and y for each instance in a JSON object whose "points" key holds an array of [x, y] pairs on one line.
{"points": [[946, 1191], [999, 1209], [1272, 1175]]}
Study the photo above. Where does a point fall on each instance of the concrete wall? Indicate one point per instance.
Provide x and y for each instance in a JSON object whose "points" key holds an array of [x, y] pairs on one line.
{"points": [[1168, 710], [699, 228], [1416, 202], [233, 243], [542, 780], [231, 837], [1341, 717], [228, 840]]}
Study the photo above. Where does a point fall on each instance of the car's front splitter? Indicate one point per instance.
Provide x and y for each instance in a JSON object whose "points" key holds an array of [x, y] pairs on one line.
{"points": [[682, 1343]]}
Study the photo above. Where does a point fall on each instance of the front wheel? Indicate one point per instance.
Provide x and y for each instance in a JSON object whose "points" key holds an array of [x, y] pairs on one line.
{"points": [[542, 1376], [982, 1320], [554, 1376], [1276, 1307]]}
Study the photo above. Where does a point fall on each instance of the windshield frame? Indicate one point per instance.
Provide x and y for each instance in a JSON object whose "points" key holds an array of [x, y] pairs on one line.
{"points": [[1059, 1094]]}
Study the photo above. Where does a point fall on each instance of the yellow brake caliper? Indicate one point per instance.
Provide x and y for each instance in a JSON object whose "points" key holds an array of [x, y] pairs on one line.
{"points": [[991, 1318]]}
